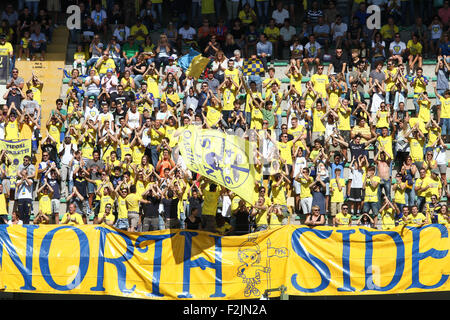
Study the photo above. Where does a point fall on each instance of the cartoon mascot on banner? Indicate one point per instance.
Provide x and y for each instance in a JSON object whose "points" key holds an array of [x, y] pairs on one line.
{"points": [[250, 270]]}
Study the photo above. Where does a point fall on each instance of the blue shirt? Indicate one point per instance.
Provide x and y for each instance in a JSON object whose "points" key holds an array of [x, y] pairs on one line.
{"points": [[333, 166], [445, 47], [264, 48]]}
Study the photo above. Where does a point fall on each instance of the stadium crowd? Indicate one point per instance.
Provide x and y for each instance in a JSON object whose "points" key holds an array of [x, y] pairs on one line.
{"points": [[342, 141]]}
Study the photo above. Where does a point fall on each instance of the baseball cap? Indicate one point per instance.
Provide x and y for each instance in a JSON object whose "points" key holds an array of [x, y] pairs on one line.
{"points": [[435, 171], [109, 70]]}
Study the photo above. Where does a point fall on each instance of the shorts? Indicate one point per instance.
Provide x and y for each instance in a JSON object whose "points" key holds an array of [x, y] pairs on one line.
{"points": [[297, 187], [306, 204], [335, 208], [122, 224], [355, 195], [56, 204], [442, 168], [133, 218], [53, 5]]}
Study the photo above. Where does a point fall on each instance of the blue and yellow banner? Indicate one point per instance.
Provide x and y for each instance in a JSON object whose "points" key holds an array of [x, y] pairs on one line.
{"points": [[197, 66], [15, 150], [223, 158], [184, 264]]}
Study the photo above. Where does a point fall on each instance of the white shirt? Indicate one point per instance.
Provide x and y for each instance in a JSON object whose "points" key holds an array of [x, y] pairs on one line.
{"points": [[133, 119], [106, 116], [357, 178], [68, 154], [338, 29], [145, 137], [440, 155], [187, 34], [436, 31], [226, 206], [24, 191], [397, 47], [20, 222], [93, 86], [110, 83], [91, 113], [215, 66], [98, 16], [279, 16], [121, 34], [2, 130], [299, 164], [287, 33], [312, 49]]}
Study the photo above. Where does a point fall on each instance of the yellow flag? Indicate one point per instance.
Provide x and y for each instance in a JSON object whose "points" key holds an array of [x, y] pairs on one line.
{"points": [[198, 64], [224, 159]]}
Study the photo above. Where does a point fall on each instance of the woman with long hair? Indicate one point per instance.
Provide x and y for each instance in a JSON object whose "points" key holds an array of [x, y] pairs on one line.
{"points": [[219, 65]]}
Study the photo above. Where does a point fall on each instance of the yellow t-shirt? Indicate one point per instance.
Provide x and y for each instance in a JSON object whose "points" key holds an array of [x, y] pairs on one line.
{"points": [[261, 218], [134, 29], [424, 110], [210, 200], [336, 194], [318, 125], [279, 194], [286, 151], [229, 96], [122, 210], [12, 130], [234, 75], [388, 218], [79, 56], [344, 118], [383, 120], [434, 186], [26, 131], [110, 217], [389, 74], [416, 149], [344, 219], [37, 92], [386, 142], [6, 49], [418, 219], [387, 32], [295, 80], [372, 192], [104, 200], [399, 194], [445, 108], [305, 190], [105, 65], [212, 115], [76, 216], [414, 48], [272, 33], [267, 84], [132, 201], [152, 85], [45, 203], [3, 205], [320, 83]]}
